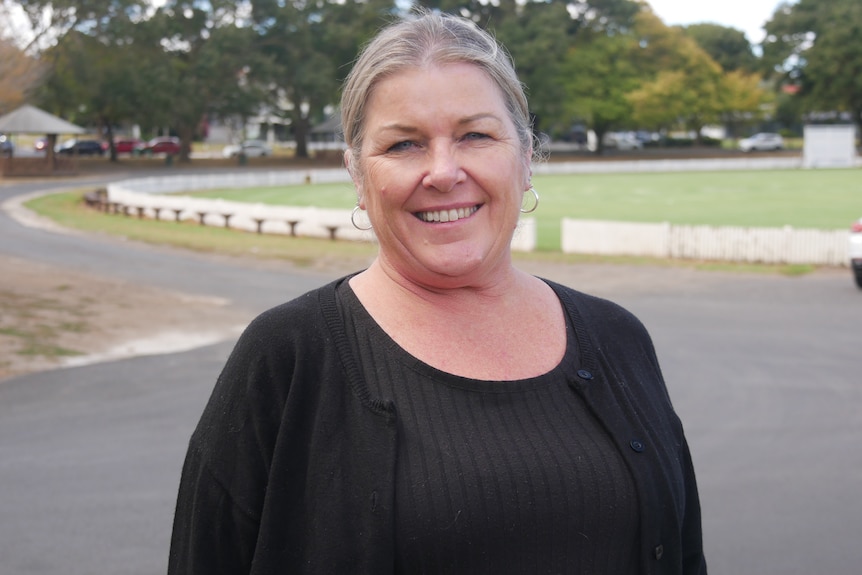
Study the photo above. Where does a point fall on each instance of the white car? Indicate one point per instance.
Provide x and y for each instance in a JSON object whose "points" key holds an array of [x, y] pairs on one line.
{"points": [[762, 142], [855, 251], [622, 141], [249, 148]]}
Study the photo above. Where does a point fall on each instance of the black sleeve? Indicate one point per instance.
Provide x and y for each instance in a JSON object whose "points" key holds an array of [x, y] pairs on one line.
{"points": [[212, 535], [226, 472], [694, 562]]}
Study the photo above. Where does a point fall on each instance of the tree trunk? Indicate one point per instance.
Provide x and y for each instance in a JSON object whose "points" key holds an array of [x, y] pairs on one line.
{"points": [[186, 135], [109, 134], [300, 134]]}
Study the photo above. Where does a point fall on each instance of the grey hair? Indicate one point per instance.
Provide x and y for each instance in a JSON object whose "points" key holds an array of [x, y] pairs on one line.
{"points": [[431, 38]]}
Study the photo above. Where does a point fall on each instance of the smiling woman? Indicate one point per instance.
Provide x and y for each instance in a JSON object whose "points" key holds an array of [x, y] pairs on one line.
{"points": [[441, 410]]}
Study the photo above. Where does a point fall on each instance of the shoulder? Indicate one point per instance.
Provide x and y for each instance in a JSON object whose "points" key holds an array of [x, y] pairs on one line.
{"points": [[609, 329], [285, 352], [598, 314], [288, 343], [298, 325]]}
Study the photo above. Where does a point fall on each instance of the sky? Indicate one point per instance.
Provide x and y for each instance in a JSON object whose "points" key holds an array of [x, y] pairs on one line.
{"points": [[746, 15]]}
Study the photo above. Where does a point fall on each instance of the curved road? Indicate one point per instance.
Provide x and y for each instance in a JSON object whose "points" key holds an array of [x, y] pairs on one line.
{"points": [[764, 371]]}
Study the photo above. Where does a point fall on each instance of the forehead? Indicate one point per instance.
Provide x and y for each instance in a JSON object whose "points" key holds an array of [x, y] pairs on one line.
{"points": [[455, 87]]}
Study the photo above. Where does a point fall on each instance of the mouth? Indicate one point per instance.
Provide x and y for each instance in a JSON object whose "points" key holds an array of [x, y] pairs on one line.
{"points": [[453, 215]]}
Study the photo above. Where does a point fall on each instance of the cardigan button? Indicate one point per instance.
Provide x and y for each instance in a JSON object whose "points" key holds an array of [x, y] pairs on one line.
{"points": [[637, 446], [659, 551], [584, 374]]}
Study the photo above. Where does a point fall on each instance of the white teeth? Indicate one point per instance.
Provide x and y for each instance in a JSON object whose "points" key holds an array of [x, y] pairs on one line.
{"points": [[447, 215]]}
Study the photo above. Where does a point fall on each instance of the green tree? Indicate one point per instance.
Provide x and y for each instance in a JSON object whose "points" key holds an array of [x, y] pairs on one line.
{"points": [[311, 46], [50, 20], [202, 60], [539, 36], [727, 46], [814, 44], [684, 87], [598, 74], [94, 81]]}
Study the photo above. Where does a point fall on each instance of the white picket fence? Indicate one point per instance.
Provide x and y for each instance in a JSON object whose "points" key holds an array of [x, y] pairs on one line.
{"points": [[785, 245]]}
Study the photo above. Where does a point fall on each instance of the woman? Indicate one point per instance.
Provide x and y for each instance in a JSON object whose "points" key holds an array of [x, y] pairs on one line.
{"points": [[440, 411]]}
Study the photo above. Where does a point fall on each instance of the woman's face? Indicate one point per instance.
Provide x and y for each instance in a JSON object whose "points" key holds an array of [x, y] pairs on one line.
{"points": [[443, 174]]}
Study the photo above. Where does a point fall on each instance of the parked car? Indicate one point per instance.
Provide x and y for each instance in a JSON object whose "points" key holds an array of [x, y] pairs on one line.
{"points": [[250, 148], [162, 145], [855, 251], [127, 145], [762, 141], [7, 148], [41, 144], [622, 141], [75, 147]]}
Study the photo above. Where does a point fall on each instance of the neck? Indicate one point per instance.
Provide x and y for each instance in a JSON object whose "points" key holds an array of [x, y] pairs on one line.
{"points": [[441, 293]]}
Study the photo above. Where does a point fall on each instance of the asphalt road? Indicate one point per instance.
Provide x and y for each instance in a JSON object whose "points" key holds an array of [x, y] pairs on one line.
{"points": [[763, 370]]}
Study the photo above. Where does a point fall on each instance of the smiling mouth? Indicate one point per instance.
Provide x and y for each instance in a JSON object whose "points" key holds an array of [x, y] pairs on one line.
{"points": [[447, 215]]}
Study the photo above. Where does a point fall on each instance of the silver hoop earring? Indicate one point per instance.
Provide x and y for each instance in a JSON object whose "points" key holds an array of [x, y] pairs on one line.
{"points": [[353, 220], [536, 205]]}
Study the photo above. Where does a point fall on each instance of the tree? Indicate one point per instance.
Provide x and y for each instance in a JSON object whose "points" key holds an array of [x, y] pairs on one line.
{"points": [[50, 20], [598, 73], [727, 46], [688, 88], [203, 60], [93, 83], [815, 46], [744, 99], [311, 46], [20, 75]]}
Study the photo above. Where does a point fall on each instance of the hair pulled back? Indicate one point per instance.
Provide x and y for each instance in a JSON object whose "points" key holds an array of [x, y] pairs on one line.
{"points": [[430, 39]]}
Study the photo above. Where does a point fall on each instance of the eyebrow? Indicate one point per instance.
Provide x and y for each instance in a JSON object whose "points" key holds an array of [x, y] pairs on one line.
{"points": [[397, 127]]}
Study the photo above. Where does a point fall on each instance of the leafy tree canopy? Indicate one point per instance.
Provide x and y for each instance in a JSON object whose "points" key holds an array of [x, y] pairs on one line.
{"points": [[814, 44], [727, 46]]}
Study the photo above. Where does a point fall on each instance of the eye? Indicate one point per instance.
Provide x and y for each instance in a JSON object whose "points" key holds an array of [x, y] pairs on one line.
{"points": [[401, 146], [476, 136]]}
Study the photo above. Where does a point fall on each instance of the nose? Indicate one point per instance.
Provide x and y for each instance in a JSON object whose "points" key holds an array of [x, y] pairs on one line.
{"points": [[444, 169]]}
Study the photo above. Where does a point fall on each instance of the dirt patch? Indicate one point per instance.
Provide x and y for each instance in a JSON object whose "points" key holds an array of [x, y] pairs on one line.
{"points": [[53, 317]]}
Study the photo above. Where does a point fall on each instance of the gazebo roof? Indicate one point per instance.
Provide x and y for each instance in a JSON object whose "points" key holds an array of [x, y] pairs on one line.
{"points": [[31, 120]]}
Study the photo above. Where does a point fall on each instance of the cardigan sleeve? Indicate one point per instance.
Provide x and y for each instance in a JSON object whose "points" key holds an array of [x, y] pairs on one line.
{"points": [[211, 534], [693, 559], [225, 475]]}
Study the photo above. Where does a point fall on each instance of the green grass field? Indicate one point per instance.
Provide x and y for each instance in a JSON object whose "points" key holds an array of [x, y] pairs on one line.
{"points": [[822, 199]]}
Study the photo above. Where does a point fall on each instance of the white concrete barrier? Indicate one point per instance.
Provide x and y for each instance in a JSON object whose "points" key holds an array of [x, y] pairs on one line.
{"points": [[785, 245]]}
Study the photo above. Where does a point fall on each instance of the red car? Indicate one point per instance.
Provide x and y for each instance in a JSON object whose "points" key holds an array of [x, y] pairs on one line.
{"points": [[162, 145], [127, 145]]}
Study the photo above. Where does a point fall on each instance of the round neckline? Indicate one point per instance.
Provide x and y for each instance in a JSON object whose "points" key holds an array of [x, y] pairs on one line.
{"points": [[565, 368]]}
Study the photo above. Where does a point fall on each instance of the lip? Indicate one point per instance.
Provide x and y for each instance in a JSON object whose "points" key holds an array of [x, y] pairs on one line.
{"points": [[451, 214]]}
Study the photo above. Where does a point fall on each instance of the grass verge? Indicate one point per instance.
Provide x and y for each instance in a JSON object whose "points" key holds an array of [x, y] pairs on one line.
{"points": [[68, 209]]}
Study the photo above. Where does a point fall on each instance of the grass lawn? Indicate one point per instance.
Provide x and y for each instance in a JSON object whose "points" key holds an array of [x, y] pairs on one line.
{"points": [[822, 199]]}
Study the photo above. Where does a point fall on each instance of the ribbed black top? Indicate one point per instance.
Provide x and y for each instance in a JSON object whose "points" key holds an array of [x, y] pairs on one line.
{"points": [[498, 476]]}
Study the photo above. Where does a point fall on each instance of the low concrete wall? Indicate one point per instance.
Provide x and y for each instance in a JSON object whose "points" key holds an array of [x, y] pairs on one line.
{"points": [[785, 245]]}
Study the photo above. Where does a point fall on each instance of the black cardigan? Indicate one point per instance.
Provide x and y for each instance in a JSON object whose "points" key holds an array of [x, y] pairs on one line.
{"points": [[291, 467]]}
